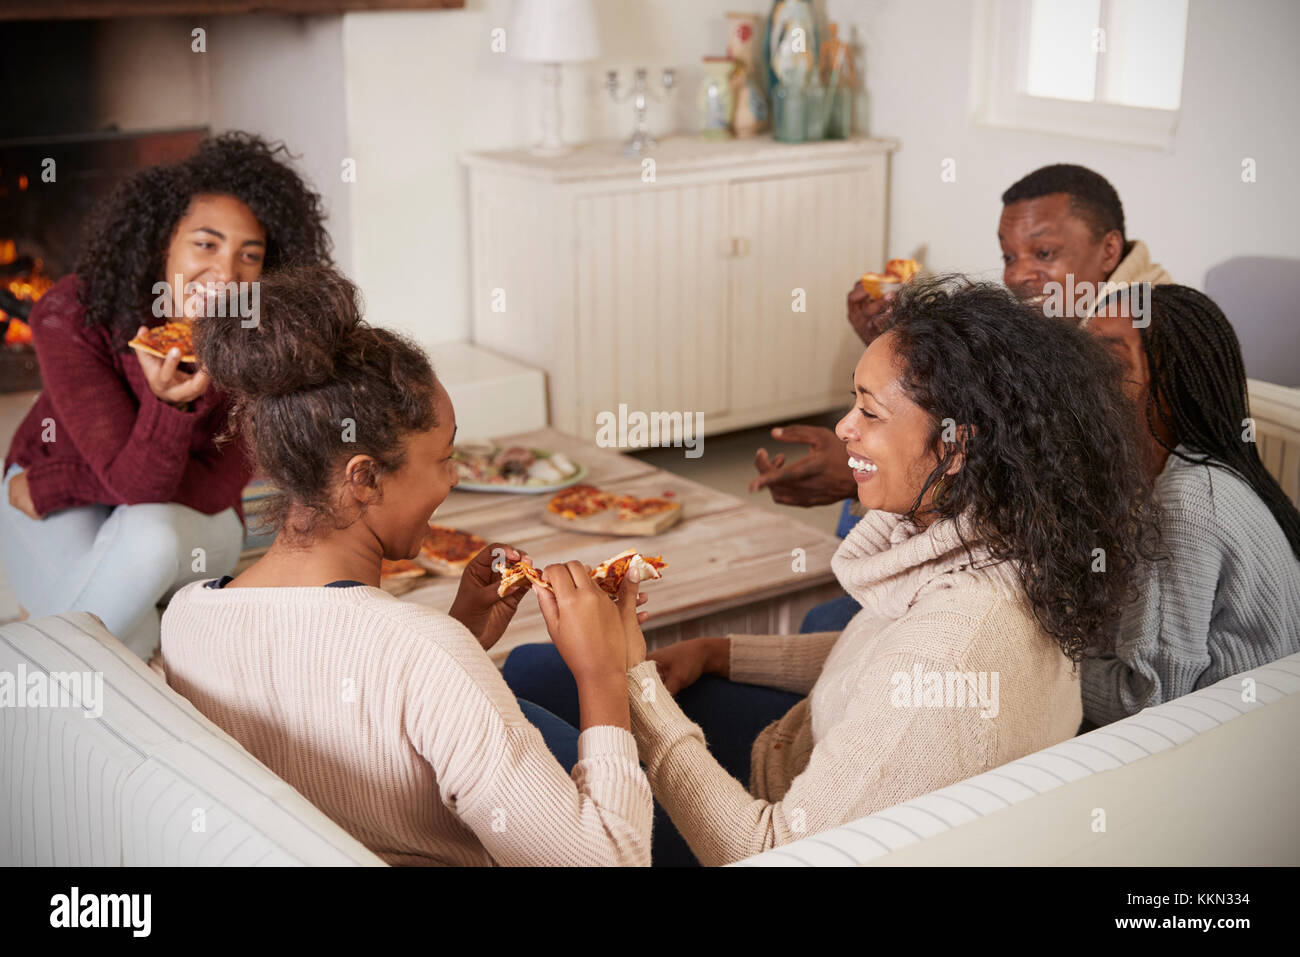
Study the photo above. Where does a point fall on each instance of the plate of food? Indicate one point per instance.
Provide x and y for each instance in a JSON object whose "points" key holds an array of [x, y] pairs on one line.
{"points": [[898, 272], [585, 508], [485, 467]]}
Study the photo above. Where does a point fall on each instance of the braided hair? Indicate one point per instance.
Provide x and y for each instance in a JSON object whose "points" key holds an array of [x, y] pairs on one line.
{"points": [[1199, 393]]}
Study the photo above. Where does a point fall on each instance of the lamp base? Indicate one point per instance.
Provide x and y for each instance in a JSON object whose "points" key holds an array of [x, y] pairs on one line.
{"points": [[550, 144]]}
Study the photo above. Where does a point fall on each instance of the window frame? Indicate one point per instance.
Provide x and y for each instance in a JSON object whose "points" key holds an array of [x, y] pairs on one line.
{"points": [[998, 64]]}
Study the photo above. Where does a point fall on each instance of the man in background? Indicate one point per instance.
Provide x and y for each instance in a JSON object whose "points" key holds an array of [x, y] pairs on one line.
{"points": [[1062, 227]]}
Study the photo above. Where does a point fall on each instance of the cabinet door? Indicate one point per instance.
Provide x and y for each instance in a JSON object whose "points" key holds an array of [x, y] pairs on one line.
{"points": [[808, 237], [651, 302]]}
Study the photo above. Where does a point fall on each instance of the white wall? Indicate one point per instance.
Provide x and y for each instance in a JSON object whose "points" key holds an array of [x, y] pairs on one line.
{"points": [[282, 77], [425, 87], [1188, 202]]}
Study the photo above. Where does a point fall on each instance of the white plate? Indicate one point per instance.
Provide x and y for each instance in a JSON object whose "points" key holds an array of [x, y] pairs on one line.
{"points": [[574, 479]]}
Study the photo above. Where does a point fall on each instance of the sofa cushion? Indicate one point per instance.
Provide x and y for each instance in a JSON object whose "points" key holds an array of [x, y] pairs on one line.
{"points": [[148, 781], [1209, 778]]}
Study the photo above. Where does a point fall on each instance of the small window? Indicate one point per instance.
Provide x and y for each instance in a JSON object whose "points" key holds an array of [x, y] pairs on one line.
{"points": [[1102, 69]]}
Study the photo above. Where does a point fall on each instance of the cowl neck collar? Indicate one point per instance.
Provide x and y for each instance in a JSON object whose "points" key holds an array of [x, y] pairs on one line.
{"points": [[886, 562]]}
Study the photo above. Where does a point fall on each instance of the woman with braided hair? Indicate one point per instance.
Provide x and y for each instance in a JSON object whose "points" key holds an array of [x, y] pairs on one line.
{"points": [[1227, 596]]}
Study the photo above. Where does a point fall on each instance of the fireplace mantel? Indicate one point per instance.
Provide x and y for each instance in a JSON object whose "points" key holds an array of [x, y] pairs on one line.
{"points": [[106, 9]]}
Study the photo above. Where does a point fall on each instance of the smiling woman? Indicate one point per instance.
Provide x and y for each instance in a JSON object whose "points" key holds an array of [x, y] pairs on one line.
{"points": [[995, 454], [115, 490]]}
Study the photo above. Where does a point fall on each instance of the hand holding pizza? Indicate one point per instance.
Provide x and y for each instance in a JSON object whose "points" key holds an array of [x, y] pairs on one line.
{"points": [[478, 606], [868, 315], [597, 638], [821, 477], [165, 379]]}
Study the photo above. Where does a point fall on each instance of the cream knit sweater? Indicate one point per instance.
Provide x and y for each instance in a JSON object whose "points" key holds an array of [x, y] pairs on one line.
{"points": [[884, 720], [391, 718]]}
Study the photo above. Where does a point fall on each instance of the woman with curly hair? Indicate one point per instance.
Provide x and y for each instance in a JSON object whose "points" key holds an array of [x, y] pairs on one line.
{"points": [[1006, 513], [115, 492], [1227, 599]]}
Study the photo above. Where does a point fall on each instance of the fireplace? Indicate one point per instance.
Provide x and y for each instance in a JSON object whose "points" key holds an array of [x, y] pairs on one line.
{"points": [[47, 188]]}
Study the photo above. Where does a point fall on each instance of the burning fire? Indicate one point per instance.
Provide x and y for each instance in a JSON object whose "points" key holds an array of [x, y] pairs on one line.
{"points": [[29, 287]]}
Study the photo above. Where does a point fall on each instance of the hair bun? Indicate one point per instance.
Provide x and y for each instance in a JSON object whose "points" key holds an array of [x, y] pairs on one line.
{"points": [[306, 321]]}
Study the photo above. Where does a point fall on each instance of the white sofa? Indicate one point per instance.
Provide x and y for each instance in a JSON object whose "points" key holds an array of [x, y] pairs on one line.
{"points": [[148, 782], [1206, 779]]}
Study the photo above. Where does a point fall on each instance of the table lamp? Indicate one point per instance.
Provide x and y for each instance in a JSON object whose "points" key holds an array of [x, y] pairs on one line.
{"points": [[551, 32]]}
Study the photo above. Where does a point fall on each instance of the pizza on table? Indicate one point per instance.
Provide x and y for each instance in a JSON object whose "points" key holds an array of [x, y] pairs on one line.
{"points": [[581, 501]]}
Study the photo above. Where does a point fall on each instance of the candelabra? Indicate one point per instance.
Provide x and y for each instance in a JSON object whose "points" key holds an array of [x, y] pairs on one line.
{"points": [[640, 94]]}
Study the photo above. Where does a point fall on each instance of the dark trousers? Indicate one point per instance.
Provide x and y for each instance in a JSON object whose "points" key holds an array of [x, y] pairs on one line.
{"points": [[730, 714]]}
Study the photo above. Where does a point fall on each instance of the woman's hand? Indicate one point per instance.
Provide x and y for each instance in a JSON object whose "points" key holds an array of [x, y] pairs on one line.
{"points": [[20, 495], [477, 605], [593, 635], [165, 379], [681, 665]]}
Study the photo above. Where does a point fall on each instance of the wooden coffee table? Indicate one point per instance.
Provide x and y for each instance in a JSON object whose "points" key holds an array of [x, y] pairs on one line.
{"points": [[730, 564]]}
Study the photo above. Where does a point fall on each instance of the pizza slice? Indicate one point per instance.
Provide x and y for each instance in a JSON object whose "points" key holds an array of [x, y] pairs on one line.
{"points": [[402, 568], [515, 574], [159, 340], [399, 577], [582, 501], [608, 575], [897, 272], [446, 551], [579, 501], [629, 506]]}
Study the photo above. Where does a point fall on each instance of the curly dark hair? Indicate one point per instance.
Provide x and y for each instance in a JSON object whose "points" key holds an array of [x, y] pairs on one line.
{"points": [[1092, 198], [310, 364], [124, 246], [1200, 394], [1051, 467]]}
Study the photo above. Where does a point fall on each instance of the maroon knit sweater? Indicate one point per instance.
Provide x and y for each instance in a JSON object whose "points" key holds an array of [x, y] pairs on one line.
{"points": [[114, 441]]}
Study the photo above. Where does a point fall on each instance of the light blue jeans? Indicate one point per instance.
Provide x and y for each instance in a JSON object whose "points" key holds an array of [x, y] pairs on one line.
{"points": [[117, 562]]}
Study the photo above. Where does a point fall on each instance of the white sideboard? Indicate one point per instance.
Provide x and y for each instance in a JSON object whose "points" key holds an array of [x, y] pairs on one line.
{"points": [[672, 287]]}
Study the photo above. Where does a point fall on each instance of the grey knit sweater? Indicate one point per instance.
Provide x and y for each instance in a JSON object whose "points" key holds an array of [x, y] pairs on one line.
{"points": [[1228, 601]]}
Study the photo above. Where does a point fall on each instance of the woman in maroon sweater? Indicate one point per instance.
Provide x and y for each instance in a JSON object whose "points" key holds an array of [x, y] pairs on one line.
{"points": [[116, 489]]}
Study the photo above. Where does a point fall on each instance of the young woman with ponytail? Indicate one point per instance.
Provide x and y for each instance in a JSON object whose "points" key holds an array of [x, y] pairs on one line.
{"points": [[387, 715], [1227, 598]]}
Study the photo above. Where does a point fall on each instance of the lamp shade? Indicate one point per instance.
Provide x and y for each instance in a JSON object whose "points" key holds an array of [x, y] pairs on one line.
{"points": [[554, 31]]}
